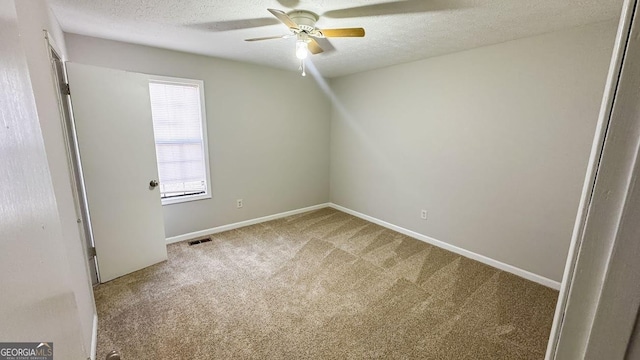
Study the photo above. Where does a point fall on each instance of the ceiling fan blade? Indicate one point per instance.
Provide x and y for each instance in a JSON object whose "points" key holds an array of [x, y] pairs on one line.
{"points": [[314, 47], [284, 18], [326, 45], [268, 38], [346, 32], [228, 25], [394, 7]]}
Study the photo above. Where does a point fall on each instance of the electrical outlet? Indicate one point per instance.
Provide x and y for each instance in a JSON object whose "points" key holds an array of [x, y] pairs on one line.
{"points": [[239, 203], [423, 214]]}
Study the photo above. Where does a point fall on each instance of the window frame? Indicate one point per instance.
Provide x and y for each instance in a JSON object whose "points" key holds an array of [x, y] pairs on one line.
{"points": [[170, 80]]}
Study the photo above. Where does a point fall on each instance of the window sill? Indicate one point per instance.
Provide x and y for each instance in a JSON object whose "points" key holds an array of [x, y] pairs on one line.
{"points": [[183, 199]]}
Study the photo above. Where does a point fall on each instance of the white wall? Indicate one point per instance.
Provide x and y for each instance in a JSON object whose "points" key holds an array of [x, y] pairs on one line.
{"points": [[493, 142], [268, 132], [42, 296], [34, 17]]}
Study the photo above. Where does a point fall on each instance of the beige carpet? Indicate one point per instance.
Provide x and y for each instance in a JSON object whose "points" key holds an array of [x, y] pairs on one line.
{"points": [[321, 285]]}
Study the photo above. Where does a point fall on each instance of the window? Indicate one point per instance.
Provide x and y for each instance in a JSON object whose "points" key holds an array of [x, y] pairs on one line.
{"points": [[179, 126]]}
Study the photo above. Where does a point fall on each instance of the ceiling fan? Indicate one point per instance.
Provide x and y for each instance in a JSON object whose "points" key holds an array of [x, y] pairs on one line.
{"points": [[302, 25]]}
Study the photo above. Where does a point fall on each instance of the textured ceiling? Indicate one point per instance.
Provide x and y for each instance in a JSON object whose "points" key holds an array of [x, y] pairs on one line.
{"points": [[396, 31]]}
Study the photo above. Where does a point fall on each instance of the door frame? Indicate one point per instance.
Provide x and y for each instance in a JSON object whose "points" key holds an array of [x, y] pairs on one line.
{"points": [[599, 297], [73, 161]]}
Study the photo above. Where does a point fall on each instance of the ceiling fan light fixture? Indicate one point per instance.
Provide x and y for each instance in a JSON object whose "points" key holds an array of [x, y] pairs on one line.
{"points": [[302, 25], [302, 49]]}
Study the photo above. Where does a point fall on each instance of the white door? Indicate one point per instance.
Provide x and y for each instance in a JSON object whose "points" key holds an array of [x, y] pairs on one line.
{"points": [[112, 114]]}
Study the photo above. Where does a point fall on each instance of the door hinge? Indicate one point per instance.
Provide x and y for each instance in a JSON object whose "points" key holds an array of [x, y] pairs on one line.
{"points": [[65, 89], [92, 252]]}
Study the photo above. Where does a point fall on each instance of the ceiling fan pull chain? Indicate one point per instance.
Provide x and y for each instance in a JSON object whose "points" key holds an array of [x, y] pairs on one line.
{"points": [[302, 65]]}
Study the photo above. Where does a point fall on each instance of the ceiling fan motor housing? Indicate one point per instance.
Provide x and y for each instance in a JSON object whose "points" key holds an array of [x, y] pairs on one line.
{"points": [[306, 20]]}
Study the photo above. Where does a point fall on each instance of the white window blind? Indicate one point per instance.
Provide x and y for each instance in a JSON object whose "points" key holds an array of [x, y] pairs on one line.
{"points": [[180, 148]]}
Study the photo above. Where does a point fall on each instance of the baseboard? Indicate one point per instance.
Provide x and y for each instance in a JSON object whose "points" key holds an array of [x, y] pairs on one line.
{"points": [[240, 224], [94, 338], [460, 251]]}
